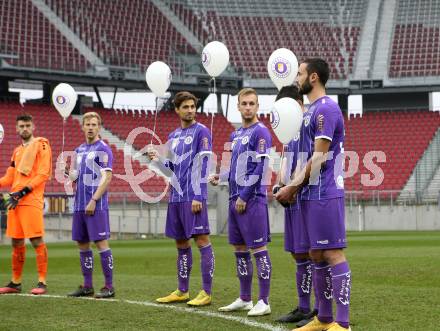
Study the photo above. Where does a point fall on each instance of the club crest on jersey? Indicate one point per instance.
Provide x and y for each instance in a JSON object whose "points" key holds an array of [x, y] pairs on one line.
{"points": [[244, 140], [320, 122], [296, 138], [188, 140], [280, 67], [262, 145], [91, 155], [233, 144], [306, 121]]}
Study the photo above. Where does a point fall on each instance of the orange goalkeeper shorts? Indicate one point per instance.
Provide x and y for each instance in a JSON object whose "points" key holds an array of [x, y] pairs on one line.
{"points": [[25, 222]]}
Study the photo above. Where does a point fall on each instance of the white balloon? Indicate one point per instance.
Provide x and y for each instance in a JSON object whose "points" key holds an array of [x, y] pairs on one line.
{"points": [[215, 58], [286, 119], [158, 77], [64, 99], [2, 133], [282, 67]]}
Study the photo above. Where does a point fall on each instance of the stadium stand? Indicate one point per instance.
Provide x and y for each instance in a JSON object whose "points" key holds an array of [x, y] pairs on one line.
{"points": [[243, 24], [28, 39], [416, 42], [387, 131], [117, 31]]}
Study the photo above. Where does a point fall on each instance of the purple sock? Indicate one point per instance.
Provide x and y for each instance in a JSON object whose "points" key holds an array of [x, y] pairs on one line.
{"points": [[207, 265], [304, 284], [264, 270], [324, 288], [86, 260], [315, 292], [107, 267], [245, 272], [341, 281], [184, 265]]}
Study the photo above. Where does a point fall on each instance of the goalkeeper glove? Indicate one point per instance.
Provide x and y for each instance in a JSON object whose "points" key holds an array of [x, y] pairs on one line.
{"points": [[13, 198]]}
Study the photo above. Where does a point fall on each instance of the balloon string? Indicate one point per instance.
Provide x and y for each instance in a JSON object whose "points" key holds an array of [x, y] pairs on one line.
{"points": [[212, 115], [62, 146], [154, 125]]}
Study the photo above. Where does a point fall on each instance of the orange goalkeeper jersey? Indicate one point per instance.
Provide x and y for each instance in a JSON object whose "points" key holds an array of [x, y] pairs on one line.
{"points": [[36, 179]]}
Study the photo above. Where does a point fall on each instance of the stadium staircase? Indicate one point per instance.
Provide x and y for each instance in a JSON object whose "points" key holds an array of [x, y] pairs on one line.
{"points": [[385, 34], [425, 176], [368, 40]]}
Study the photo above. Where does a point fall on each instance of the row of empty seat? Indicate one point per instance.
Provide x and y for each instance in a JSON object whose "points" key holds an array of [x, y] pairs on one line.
{"points": [[415, 50]]}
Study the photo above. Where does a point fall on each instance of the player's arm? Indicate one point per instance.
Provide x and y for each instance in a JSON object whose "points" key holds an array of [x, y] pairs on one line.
{"points": [[262, 149], [44, 166], [8, 178], [302, 176], [225, 169], [162, 164]]}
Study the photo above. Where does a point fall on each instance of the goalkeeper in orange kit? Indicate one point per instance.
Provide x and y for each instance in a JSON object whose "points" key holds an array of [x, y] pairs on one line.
{"points": [[30, 168]]}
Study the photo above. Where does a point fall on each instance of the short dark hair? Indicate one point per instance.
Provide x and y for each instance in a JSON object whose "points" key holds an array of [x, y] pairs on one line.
{"points": [[25, 118], [290, 91], [320, 67], [184, 96]]}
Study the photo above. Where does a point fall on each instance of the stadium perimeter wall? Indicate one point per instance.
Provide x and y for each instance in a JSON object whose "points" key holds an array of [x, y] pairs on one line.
{"points": [[129, 224]]}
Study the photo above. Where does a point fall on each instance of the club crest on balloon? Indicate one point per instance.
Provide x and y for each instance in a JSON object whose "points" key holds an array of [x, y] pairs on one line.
{"points": [[274, 119], [281, 67]]}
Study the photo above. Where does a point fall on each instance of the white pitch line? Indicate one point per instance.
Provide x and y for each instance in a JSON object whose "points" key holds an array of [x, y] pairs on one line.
{"points": [[245, 321]]}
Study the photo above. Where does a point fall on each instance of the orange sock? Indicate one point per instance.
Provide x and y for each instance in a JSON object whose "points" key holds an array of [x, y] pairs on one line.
{"points": [[18, 257], [41, 252]]}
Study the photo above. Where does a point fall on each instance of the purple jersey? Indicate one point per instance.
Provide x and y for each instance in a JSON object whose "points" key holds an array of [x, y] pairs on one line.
{"points": [[324, 120], [190, 149], [249, 162], [90, 161]]}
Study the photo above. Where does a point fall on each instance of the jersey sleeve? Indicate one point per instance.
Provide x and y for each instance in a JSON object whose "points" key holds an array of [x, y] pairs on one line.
{"points": [[105, 159], [324, 123], [8, 178], [204, 145], [263, 141]]}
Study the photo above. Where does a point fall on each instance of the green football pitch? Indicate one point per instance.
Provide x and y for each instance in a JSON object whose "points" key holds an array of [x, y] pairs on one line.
{"points": [[396, 286]]}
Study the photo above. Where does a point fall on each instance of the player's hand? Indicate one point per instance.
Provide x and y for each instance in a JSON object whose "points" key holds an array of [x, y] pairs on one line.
{"points": [[196, 207], [13, 198], [152, 154], [240, 206], [286, 194], [214, 179], [275, 190], [91, 206]]}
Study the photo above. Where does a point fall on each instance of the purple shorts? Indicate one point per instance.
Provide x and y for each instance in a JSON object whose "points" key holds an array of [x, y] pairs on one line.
{"points": [[87, 228], [182, 223], [296, 239], [252, 227], [325, 223]]}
